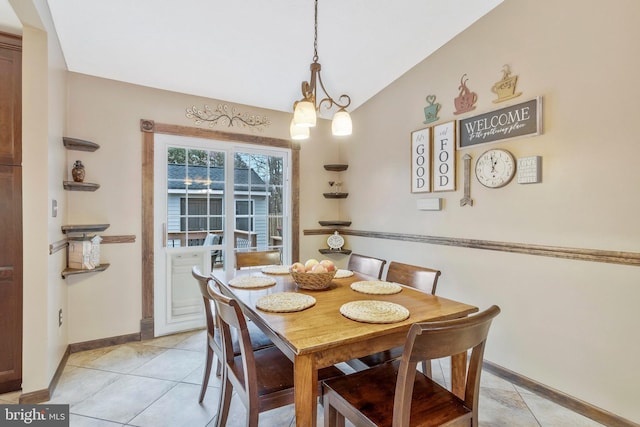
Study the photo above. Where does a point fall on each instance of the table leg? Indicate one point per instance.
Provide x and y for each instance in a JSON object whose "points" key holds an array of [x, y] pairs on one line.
{"points": [[306, 391], [458, 374]]}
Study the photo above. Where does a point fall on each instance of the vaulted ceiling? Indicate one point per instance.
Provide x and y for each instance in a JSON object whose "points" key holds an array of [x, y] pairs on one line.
{"points": [[255, 52]]}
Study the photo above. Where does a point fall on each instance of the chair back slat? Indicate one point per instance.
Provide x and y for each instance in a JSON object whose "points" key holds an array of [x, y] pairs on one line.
{"points": [[258, 258], [366, 265], [433, 340], [203, 283], [233, 324], [423, 278]]}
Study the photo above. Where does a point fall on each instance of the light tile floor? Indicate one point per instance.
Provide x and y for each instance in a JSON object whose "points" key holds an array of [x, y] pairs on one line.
{"points": [[157, 383]]}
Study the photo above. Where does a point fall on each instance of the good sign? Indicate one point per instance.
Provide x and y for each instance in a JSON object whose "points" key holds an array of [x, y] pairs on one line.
{"points": [[421, 161]]}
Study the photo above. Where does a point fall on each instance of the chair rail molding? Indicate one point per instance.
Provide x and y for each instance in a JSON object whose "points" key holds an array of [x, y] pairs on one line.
{"points": [[580, 254]]}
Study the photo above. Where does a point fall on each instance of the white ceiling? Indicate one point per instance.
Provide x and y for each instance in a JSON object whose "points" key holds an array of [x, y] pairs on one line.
{"points": [[9, 22], [256, 52]]}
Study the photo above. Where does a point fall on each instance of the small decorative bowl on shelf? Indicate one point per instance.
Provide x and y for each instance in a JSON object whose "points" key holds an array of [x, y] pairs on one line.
{"points": [[313, 281]]}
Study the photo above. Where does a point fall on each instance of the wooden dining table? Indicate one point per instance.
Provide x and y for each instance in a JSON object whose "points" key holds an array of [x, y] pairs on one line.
{"points": [[320, 336]]}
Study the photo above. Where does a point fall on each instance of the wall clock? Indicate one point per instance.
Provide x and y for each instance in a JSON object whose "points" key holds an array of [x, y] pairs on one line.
{"points": [[495, 168], [335, 241]]}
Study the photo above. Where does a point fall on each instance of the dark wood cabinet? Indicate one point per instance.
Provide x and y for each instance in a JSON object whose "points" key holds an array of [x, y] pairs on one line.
{"points": [[10, 213], [10, 100], [11, 278]]}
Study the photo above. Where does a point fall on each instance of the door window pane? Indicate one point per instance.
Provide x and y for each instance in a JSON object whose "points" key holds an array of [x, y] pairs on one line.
{"points": [[259, 197], [195, 184]]}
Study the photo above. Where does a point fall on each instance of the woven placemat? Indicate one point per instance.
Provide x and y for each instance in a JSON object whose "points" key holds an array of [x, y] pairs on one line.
{"points": [[376, 287], [248, 282], [374, 311], [341, 274], [285, 302], [276, 269]]}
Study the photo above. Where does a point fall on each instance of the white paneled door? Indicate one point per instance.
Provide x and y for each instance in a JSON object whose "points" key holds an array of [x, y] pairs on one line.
{"points": [[211, 198]]}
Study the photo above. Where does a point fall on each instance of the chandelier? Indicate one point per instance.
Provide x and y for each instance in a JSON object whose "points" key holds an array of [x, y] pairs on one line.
{"points": [[305, 111]]}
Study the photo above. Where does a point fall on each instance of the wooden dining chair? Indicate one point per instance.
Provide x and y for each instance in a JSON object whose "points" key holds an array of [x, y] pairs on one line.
{"points": [[364, 397], [262, 379], [366, 265], [422, 278], [214, 343], [258, 258]]}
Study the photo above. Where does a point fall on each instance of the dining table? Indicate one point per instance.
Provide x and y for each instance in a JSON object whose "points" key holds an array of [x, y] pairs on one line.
{"points": [[320, 336]]}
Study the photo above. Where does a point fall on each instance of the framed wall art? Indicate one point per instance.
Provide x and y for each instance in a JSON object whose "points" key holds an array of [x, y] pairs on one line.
{"points": [[421, 161], [444, 157], [515, 121]]}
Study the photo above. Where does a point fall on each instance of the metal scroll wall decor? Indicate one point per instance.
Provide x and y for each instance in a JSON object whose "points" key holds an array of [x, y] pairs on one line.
{"points": [[223, 115]]}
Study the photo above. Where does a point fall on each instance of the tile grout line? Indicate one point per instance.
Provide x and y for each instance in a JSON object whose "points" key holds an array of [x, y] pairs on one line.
{"points": [[533, 414]]}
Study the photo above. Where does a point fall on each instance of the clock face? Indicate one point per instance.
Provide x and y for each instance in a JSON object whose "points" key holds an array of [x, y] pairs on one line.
{"points": [[335, 241], [495, 168]]}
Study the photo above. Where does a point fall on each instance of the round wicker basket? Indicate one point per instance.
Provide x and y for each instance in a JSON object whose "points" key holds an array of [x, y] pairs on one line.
{"points": [[313, 281]]}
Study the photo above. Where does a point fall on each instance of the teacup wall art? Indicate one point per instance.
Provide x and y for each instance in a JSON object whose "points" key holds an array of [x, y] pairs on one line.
{"points": [[506, 87], [466, 100], [431, 110]]}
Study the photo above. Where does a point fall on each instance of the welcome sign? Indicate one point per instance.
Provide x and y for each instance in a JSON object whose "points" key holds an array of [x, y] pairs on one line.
{"points": [[524, 119]]}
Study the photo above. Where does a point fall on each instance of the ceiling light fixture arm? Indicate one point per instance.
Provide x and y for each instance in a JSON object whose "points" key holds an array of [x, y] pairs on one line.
{"points": [[306, 110], [310, 90]]}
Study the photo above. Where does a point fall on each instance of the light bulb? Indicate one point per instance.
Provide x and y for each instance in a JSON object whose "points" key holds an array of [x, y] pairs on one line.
{"points": [[341, 124], [298, 132], [304, 114]]}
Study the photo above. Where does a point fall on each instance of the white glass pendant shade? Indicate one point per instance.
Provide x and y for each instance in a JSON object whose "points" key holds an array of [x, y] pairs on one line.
{"points": [[341, 124], [298, 132], [304, 114]]}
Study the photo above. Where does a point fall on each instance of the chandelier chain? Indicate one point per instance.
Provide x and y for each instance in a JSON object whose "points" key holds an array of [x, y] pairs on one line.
{"points": [[315, 37]]}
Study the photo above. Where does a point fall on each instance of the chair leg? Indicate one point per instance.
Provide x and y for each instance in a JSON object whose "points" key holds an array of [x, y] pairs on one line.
{"points": [[218, 369], [225, 401], [207, 372], [332, 418], [426, 368], [252, 416]]}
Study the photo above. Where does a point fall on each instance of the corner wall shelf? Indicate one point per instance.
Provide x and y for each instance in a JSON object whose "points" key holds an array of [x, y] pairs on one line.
{"points": [[73, 271], [79, 144], [335, 223], [336, 168], [333, 251], [335, 195], [86, 228], [80, 186]]}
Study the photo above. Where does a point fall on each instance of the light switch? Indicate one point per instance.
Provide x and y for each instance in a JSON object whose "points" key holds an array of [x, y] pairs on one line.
{"points": [[54, 208]]}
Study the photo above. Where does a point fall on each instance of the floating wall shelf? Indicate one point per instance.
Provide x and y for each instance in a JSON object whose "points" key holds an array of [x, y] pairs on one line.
{"points": [[79, 144], [336, 168], [335, 223], [80, 186], [73, 271], [86, 228], [335, 195], [333, 251]]}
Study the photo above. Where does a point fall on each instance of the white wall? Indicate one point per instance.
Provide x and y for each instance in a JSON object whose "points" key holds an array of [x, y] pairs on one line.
{"points": [[571, 325]]}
